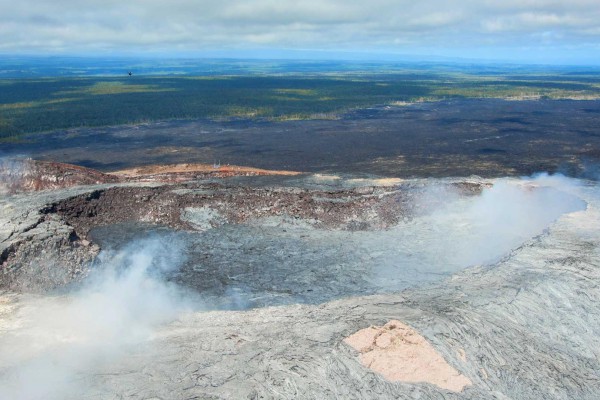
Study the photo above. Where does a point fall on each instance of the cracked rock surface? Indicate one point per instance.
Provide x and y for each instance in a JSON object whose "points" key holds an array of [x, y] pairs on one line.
{"points": [[523, 326]]}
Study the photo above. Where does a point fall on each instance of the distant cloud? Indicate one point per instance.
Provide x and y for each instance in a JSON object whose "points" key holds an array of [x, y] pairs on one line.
{"points": [[450, 27]]}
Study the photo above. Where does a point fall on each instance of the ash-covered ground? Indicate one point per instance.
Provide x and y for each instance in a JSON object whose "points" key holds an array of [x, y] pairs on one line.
{"points": [[247, 286]]}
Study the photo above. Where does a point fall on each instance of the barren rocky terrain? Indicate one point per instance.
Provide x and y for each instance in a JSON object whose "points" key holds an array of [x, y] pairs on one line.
{"points": [[486, 137], [176, 285]]}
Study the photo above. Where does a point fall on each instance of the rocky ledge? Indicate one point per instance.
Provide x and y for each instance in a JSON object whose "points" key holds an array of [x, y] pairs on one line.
{"points": [[45, 242], [526, 326]]}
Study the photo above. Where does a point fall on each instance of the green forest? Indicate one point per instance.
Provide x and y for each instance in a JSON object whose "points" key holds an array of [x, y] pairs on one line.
{"points": [[35, 105]]}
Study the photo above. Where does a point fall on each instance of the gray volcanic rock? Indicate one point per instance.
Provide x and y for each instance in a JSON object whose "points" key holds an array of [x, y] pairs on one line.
{"points": [[45, 241], [39, 252], [523, 326]]}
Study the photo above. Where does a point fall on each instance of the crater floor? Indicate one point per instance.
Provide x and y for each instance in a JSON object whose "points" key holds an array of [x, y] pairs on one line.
{"points": [[248, 288]]}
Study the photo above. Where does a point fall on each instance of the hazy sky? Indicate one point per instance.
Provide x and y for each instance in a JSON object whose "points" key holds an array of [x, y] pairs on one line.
{"points": [[526, 30]]}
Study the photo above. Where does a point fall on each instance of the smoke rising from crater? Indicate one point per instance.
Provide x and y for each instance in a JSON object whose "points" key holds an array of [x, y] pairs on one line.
{"points": [[57, 337], [51, 346], [452, 232], [12, 173], [508, 214]]}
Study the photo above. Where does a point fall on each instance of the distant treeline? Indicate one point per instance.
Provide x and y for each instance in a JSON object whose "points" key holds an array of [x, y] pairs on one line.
{"points": [[38, 105]]}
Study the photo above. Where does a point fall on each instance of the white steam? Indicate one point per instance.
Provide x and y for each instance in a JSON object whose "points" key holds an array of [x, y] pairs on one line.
{"points": [[12, 173], [56, 338], [465, 231], [510, 213], [49, 345]]}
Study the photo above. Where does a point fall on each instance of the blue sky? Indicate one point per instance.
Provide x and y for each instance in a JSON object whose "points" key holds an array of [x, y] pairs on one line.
{"points": [[540, 31]]}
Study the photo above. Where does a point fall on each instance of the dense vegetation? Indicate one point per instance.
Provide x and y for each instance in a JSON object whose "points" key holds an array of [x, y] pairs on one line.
{"points": [[29, 105]]}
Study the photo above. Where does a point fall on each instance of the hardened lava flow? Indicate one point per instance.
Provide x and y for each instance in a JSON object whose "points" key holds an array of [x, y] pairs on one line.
{"points": [[226, 282]]}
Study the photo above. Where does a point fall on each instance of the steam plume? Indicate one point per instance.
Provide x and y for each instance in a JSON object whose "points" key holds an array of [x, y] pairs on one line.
{"points": [[63, 335]]}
